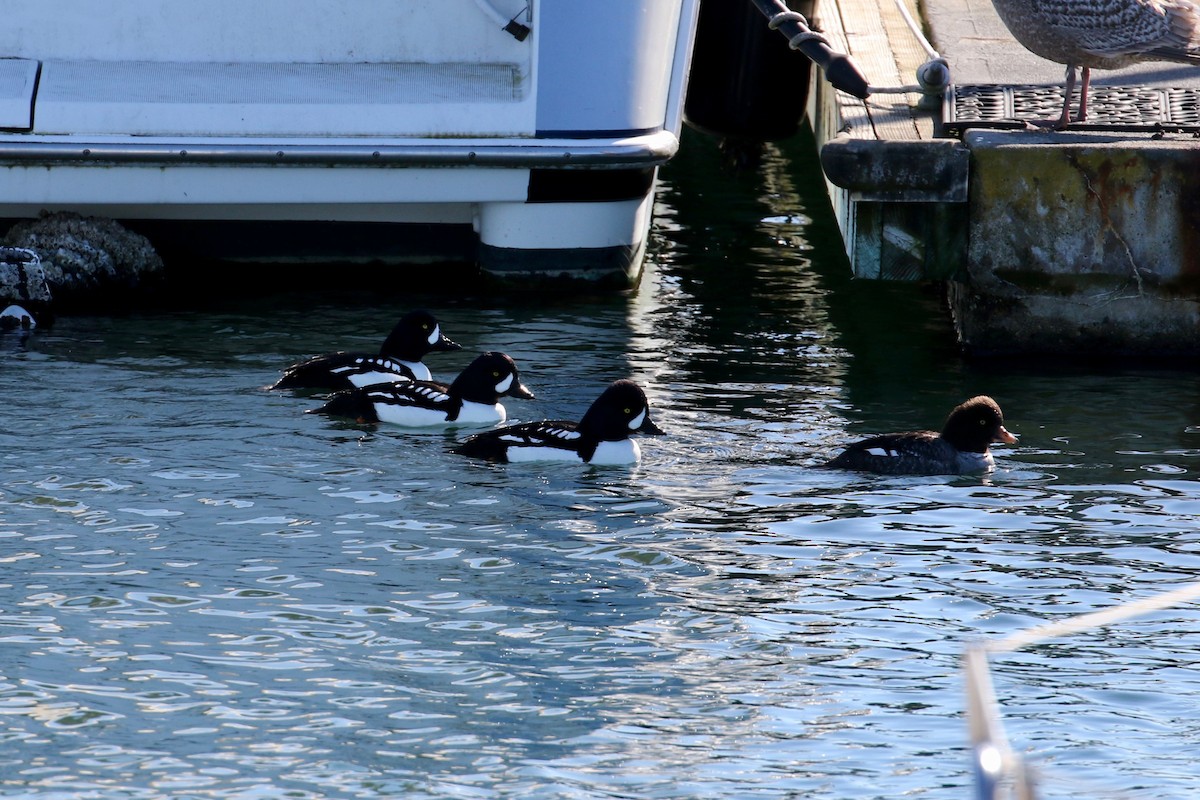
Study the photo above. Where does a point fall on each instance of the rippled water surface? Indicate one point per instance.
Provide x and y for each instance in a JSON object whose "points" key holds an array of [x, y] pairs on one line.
{"points": [[206, 593]]}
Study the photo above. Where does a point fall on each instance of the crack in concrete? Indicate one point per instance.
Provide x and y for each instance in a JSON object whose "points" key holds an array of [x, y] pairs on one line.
{"points": [[1106, 218]]}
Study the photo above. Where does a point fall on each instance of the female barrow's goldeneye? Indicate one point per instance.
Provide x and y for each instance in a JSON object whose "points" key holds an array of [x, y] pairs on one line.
{"points": [[962, 446], [601, 437], [415, 335], [473, 398]]}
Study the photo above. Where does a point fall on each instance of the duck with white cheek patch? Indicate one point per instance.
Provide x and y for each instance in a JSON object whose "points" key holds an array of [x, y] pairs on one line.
{"points": [[601, 437], [472, 399], [963, 445], [399, 359]]}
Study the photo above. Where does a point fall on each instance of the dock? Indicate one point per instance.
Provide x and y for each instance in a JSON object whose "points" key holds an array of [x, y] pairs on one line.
{"points": [[1081, 242]]}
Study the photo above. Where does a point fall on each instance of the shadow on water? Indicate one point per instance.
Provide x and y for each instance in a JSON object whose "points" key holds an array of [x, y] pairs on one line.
{"points": [[769, 260]]}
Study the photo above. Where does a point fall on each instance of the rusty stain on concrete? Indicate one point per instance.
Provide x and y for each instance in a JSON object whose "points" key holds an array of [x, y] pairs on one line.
{"points": [[1081, 242]]}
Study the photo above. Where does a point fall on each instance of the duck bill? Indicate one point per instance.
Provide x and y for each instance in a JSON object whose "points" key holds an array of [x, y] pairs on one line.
{"points": [[1005, 436], [443, 344], [649, 427], [520, 391]]}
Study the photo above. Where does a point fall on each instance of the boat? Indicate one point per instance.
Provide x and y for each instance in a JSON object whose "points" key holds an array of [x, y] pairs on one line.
{"points": [[524, 135]]}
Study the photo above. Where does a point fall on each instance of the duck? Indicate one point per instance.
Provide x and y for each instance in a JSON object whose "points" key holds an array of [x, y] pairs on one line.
{"points": [[472, 399], [600, 437], [1102, 34], [414, 336], [963, 446]]}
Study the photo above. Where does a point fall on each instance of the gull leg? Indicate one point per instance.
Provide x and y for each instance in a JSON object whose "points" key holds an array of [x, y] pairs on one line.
{"points": [[1083, 93], [1065, 119]]}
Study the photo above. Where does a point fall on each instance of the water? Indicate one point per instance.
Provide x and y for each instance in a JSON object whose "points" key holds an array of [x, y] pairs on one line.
{"points": [[206, 593]]}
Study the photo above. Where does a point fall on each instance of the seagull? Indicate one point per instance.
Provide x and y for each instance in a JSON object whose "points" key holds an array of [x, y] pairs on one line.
{"points": [[1102, 34]]}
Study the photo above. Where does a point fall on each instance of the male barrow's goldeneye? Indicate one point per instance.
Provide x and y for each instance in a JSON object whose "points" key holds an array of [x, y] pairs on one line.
{"points": [[601, 437], [415, 335], [473, 398], [962, 446]]}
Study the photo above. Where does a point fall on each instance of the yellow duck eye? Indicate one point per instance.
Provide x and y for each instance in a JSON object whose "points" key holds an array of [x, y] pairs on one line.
{"points": [[629, 411], [496, 374]]}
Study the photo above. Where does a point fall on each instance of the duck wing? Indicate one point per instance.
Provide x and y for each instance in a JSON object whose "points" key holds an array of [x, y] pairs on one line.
{"points": [[557, 435], [392, 403], [342, 370], [912, 453]]}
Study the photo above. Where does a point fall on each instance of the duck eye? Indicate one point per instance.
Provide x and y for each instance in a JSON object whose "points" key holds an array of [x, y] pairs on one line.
{"points": [[983, 422], [629, 411], [495, 373]]}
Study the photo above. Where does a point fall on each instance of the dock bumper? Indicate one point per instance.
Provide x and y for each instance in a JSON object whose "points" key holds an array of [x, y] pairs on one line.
{"points": [[901, 205], [932, 171]]}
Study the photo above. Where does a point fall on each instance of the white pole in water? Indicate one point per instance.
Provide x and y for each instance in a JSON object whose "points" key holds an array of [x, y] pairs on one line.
{"points": [[994, 761]]}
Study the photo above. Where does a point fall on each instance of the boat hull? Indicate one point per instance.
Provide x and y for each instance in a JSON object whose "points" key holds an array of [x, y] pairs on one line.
{"points": [[542, 149]]}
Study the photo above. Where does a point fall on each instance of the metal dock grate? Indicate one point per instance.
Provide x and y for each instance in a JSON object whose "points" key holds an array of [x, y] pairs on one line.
{"points": [[1119, 108]]}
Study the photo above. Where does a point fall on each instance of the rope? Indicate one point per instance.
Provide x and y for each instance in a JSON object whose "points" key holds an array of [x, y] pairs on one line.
{"points": [[906, 89], [933, 76], [805, 35], [916, 30], [785, 16]]}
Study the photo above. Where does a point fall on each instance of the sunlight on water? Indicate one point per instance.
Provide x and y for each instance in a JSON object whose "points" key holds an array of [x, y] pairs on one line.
{"points": [[207, 593]]}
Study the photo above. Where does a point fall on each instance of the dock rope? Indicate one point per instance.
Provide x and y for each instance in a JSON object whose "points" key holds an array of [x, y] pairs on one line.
{"points": [[840, 70], [805, 34], [934, 75], [917, 33]]}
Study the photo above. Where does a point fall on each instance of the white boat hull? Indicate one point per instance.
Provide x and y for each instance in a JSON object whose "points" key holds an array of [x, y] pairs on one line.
{"points": [[546, 147]]}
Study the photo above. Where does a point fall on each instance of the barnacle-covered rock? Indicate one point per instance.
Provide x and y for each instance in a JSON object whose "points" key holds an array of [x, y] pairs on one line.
{"points": [[24, 293], [22, 279], [88, 260]]}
